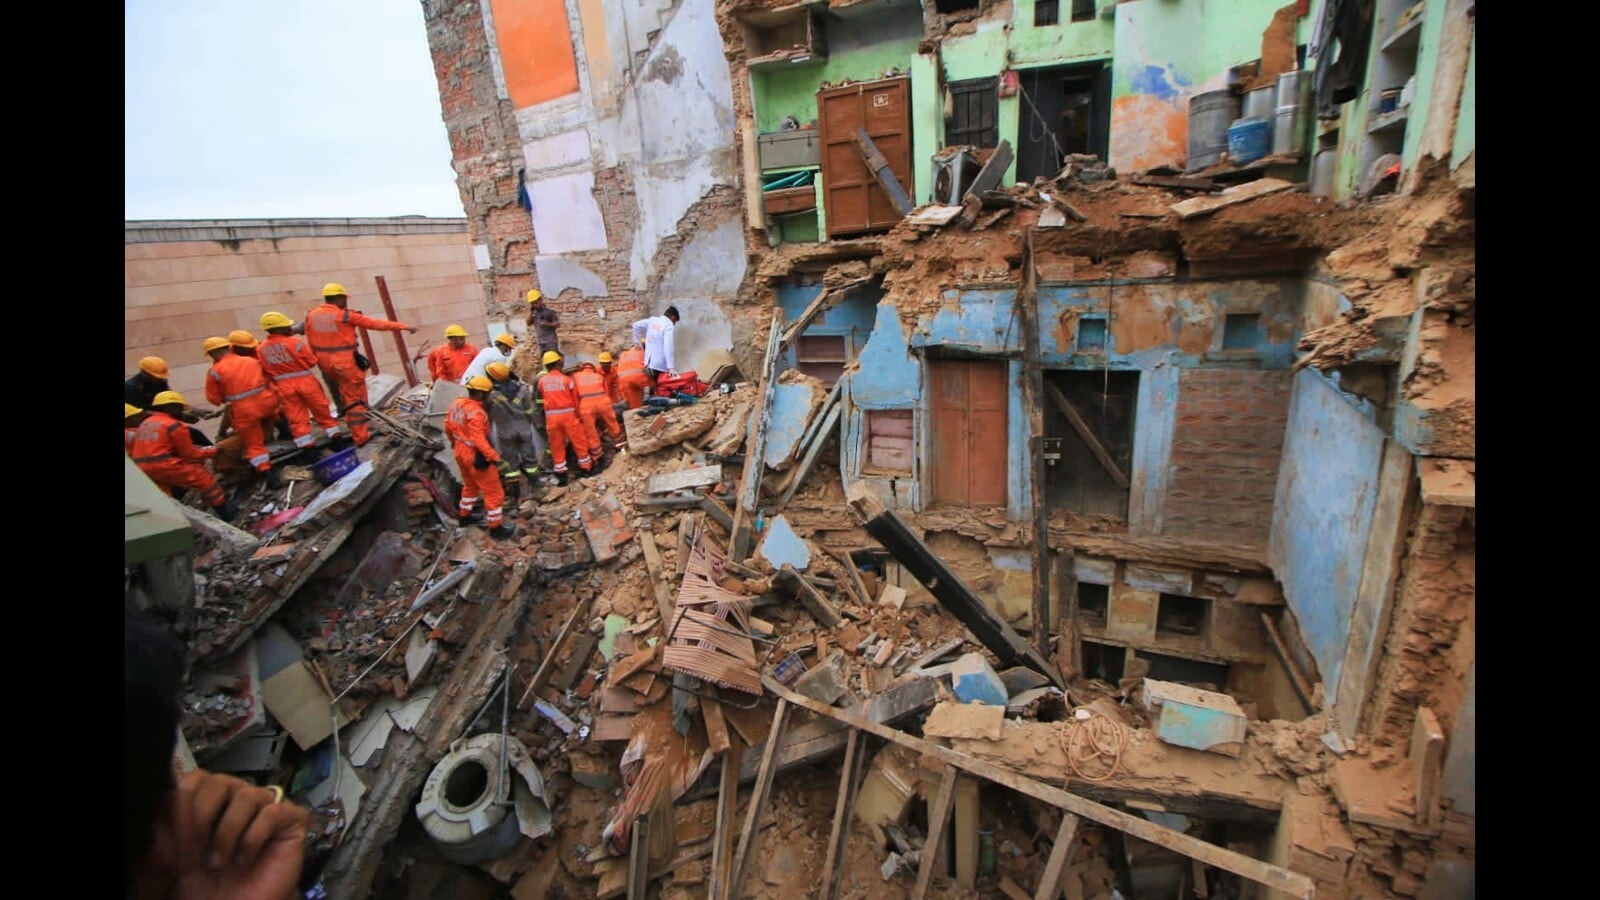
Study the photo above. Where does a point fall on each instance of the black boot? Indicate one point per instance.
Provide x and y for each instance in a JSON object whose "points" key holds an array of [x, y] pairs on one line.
{"points": [[503, 531], [228, 511], [472, 518]]}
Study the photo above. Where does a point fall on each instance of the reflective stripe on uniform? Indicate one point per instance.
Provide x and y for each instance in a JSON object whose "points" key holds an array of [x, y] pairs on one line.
{"points": [[290, 375], [553, 412], [250, 393]]}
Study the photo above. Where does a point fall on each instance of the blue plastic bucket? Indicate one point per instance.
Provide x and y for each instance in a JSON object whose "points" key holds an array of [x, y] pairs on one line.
{"points": [[1249, 140], [336, 466]]}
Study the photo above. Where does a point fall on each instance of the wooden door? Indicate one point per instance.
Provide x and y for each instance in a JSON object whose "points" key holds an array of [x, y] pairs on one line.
{"points": [[970, 449], [852, 199]]}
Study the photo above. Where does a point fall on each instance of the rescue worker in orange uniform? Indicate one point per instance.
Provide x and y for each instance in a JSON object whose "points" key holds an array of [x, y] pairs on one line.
{"points": [[610, 372], [290, 366], [632, 380], [132, 418], [467, 428], [163, 450], [594, 408], [331, 330], [561, 422], [239, 381], [449, 361]]}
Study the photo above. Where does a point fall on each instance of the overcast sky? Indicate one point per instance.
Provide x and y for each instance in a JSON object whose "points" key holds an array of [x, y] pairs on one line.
{"points": [[288, 108]]}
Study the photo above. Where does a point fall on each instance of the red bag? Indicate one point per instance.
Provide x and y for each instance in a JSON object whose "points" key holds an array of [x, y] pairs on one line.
{"points": [[686, 383]]}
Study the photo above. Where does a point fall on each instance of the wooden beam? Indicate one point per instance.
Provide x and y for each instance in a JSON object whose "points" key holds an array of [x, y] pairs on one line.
{"points": [[727, 811], [686, 529], [654, 567], [1060, 858], [756, 451], [938, 823], [903, 544], [683, 479], [1197, 206], [580, 613], [758, 798], [816, 604], [844, 804], [1089, 440], [966, 832], [716, 726], [878, 165], [852, 577], [1027, 307], [1302, 688], [718, 512], [639, 859], [1292, 883], [824, 300], [829, 424]]}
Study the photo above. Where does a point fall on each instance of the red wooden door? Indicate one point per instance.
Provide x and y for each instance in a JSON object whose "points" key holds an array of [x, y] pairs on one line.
{"points": [[852, 199], [969, 465]]}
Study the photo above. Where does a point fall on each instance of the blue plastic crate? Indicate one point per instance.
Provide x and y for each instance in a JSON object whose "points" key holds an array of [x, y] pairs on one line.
{"points": [[336, 466]]}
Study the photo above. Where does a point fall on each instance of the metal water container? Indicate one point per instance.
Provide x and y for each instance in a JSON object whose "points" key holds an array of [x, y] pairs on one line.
{"points": [[1292, 115], [1260, 103], [1322, 172], [1210, 114]]}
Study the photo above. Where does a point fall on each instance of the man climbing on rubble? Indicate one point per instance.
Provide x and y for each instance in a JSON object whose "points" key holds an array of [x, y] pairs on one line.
{"points": [[656, 335], [498, 352], [239, 381], [544, 321], [331, 331], [449, 360], [512, 411], [163, 450], [290, 365], [594, 409], [632, 380], [467, 428], [561, 425], [151, 379]]}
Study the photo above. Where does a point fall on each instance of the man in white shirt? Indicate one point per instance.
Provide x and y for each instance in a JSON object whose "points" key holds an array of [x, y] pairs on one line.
{"points": [[499, 351], [656, 334]]}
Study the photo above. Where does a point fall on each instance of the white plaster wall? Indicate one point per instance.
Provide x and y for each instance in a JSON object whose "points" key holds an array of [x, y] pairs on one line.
{"points": [[712, 264], [684, 89], [702, 327], [557, 151], [566, 217], [665, 194], [557, 273]]}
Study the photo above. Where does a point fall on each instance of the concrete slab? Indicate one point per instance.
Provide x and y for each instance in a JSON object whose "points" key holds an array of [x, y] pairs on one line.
{"points": [[976, 721]]}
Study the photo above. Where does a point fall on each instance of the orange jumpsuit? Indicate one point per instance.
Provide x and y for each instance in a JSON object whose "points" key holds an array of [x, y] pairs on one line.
{"points": [[594, 408], [163, 450], [290, 365], [610, 373], [632, 381], [561, 422], [332, 333], [242, 382], [446, 363], [467, 427]]}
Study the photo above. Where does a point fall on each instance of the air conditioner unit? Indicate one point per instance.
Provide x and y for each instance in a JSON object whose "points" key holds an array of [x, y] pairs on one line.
{"points": [[953, 171]]}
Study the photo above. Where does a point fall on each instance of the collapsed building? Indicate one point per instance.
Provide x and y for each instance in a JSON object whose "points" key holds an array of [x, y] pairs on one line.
{"points": [[1088, 509]]}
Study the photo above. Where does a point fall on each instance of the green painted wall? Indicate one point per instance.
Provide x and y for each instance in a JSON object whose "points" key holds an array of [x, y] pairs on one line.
{"points": [[1060, 44], [793, 91], [1466, 129], [1433, 16], [926, 123], [980, 55]]}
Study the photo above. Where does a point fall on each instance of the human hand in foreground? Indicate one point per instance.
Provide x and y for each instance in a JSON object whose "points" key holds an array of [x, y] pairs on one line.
{"points": [[226, 839]]}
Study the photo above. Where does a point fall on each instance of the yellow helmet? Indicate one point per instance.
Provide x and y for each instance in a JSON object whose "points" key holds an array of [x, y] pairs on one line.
{"points": [[242, 338], [165, 397], [455, 331], [129, 410], [273, 320], [479, 383], [215, 343], [154, 366], [605, 357], [334, 289], [535, 295], [506, 339], [550, 356], [499, 371]]}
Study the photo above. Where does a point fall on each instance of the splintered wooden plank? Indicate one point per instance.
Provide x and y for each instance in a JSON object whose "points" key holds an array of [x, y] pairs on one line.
{"points": [[1292, 883], [816, 604], [727, 810], [1060, 858], [938, 822], [683, 479], [758, 798], [879, 167], [716, 726], [1199, 206], [844, 804]]}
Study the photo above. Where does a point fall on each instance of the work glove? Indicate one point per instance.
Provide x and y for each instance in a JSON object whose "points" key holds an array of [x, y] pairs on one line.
{"points": [[479, 461]]}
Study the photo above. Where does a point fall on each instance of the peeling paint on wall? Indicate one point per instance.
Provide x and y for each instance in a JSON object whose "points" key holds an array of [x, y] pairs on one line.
{"points": [[557, 273], [566, 218]]}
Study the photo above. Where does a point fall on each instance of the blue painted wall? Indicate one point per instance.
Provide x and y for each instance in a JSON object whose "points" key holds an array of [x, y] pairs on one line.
{"points": [[1327, 488], [888, 377], [851, 317], [791, 412]]}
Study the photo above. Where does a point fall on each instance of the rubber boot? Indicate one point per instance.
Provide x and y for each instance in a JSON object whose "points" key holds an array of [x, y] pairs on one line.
{"points": [[503, 531], [228, 511], [473, 518], [561, 479]]}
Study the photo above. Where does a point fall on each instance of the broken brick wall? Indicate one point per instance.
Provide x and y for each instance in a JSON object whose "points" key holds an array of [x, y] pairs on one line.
{"points": [[1226, 444]]}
